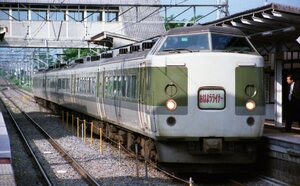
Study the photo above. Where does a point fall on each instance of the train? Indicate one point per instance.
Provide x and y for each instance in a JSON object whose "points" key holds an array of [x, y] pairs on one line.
{"points": [[192, 97]]}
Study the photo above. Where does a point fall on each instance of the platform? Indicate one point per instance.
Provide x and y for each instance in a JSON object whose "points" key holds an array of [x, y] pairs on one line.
{"points": [[6, 171], [5, 152], [279, 154]]}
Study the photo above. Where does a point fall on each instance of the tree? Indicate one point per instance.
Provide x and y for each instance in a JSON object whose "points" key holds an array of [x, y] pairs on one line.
{"points": [[72, 53], [169, 25], [2, 72]]}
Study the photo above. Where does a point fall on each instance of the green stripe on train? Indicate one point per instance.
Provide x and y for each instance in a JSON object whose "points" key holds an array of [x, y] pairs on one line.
{"points": [[251, 77], [175, 78]]}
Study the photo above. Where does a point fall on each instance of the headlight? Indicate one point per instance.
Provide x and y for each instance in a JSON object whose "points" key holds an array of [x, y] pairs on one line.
{"points": [[171, 105], [250, 105]]}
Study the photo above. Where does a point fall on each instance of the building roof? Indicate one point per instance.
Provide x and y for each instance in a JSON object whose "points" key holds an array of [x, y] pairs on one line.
{"points": [[269, 26], [79, 2], [107, 39]]}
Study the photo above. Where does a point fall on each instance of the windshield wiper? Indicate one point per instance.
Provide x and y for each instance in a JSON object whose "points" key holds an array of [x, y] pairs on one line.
{"points": [[176, 50]]}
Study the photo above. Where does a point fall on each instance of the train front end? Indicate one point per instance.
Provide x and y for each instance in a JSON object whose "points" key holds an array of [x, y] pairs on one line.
{"points": [[208, 84]]}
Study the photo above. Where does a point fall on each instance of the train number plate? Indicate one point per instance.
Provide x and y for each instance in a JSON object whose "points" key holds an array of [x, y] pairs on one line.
{"points": [[211, 98]]}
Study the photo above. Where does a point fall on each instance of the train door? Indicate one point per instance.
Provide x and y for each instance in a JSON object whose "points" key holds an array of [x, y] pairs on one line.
{"points": [[73, 87], [142, 105], [45, 87], [100, 94], [117, 98]]}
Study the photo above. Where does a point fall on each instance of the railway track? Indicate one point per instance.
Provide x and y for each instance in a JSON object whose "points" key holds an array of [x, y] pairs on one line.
{"points": [[86, 159], [35, 127]]}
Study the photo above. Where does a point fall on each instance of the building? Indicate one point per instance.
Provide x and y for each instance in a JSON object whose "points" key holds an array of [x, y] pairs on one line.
{"points": [[72, 24]]}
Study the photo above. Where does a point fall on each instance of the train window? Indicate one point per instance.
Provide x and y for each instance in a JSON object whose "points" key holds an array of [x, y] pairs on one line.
{"points": [[44, 83], [119, 85], [86, 83], [195, 42], [115, 85], [106, 85], [59, 84], [128, 87], [131, 86], [109, 86], [93, 85], [52, 85], [48, 83], [77, 85], [123, 86], [63, 84], [133, 90], [230, 43], [67, 84]]}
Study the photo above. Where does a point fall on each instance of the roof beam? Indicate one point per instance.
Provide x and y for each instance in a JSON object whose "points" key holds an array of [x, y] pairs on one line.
{"points": [[245, 26]]}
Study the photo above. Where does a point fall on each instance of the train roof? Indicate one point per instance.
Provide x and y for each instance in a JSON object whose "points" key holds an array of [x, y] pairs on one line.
{"points": [[118, 58], [202, 29], [142, 54]]}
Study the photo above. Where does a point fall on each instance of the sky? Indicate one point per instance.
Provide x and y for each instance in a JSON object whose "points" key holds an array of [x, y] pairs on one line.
{"points": [[235, 6]]}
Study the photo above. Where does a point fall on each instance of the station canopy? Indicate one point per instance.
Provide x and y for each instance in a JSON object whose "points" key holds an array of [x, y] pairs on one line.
{"points": [[270, 27]]}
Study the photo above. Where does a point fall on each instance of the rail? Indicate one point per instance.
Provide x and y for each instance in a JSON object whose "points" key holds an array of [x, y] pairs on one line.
{"points": [[41, 169], [85, 175]]}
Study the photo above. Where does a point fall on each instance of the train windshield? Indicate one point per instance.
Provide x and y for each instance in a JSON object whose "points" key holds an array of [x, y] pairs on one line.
{"points": [[229, 43], [190, 43]]}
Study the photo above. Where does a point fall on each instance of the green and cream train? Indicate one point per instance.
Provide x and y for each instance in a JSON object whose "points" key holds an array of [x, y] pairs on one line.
{"points": [[193, 96]]}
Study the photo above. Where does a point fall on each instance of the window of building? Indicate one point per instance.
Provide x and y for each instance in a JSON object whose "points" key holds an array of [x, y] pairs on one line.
{"points": [[111, 16], [21, 15], [93, 16], [56, 15], [75, 15], [4, 14], [39, 15]]}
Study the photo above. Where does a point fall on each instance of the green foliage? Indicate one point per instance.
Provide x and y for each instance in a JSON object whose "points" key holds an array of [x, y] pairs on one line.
{"points": [[72, 53], [26, 87], [2, 72], [13, 79], [169, 25]]}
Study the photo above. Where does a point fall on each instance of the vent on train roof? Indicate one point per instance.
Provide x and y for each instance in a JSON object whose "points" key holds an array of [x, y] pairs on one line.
{"points": [[79, 61], [88, 59], [95, 58], [123, 51], [107, 55], [147, 45], [134, 48]]}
